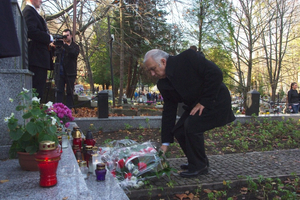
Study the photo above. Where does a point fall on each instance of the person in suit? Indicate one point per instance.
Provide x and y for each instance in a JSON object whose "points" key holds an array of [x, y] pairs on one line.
{"points": [[39, 39], [68, 68], [197, 82]]}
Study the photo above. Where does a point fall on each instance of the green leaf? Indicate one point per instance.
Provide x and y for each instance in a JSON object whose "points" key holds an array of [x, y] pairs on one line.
{"points": [[52, 129], [16, 135], [27, 115], [39, 126], [26, 137], [18, 108], [31, 149], [36, 111], [12, 125], [31, 127]]}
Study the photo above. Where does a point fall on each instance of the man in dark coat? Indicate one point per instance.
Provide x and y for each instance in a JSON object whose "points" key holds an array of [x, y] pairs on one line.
{"points": [[68, 68], [197, 82], [38, 45]]}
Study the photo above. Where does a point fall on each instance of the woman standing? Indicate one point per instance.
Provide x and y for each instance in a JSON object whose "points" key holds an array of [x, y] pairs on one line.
{"points": [[293, 98]]}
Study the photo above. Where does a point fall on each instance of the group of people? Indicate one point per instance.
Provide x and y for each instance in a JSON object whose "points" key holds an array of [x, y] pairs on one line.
{"points": [[187, 78], [41, 45]]}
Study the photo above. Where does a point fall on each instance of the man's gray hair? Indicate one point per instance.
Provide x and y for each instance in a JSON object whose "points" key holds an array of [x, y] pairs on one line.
{"points": [[156, 55]]}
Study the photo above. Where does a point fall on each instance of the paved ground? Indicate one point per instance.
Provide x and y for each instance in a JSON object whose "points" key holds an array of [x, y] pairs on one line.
{"points": [[269, 164]]}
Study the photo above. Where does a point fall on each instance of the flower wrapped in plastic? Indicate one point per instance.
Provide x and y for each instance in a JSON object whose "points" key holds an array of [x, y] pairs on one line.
{"points": [[132, 163]]}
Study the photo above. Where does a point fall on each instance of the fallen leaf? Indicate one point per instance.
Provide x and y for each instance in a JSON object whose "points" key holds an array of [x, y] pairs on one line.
{"points": [[244, 190], [260, 198], [187, 192], [181, 196], [207, 191], [215, 191], [191, 196], [65, 198], [3, 181]]}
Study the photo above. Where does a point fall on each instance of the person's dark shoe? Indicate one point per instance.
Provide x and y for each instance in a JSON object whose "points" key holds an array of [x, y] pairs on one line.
{"points": [[184, 166], [189, 174]]}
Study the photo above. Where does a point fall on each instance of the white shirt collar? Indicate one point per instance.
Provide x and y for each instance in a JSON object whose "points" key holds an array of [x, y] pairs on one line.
{"points": [[28, 3]]}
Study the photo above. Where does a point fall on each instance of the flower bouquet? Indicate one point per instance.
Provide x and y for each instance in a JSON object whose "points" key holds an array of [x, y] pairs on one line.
{"points": [[132, 163]]}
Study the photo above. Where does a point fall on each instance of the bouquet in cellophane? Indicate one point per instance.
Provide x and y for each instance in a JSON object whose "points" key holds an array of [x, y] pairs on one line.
{"points": [[132, 163]]}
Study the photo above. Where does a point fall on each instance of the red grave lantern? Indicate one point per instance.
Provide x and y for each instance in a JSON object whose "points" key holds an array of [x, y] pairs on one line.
{"points": [[47, 158]]}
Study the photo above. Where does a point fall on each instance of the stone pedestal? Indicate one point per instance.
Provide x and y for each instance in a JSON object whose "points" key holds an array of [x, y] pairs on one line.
{"points": [[14, 75]]}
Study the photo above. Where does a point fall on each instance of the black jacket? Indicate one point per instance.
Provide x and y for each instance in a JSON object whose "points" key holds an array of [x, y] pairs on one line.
{"points": [[39, 39], [192, 79], [293, 97], [70, 59]]}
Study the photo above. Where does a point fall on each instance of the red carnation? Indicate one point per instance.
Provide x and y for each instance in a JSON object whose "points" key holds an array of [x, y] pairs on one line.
{"points": [[142, 166], [113, 173], [128, 175], [121, 163]]}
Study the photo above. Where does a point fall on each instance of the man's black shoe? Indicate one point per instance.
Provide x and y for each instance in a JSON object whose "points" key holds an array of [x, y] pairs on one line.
{"points": [[186, 166], [189, 174]]}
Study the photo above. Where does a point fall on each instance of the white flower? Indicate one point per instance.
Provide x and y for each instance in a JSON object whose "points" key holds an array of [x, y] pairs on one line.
{"points": [[10, 99], [8, 118], [49, 104], [130, 166], [53, 120], [25, 90], [135, 172], [140, 183], [133, 179], [36, 99]]}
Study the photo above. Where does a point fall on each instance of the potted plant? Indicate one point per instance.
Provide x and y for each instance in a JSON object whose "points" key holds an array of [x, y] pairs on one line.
{"points": [[39, 122]]}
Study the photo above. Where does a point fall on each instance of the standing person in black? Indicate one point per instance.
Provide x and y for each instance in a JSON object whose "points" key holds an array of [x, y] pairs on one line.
{"points": [[39, 39], [293, 98], [197, 82], [68, 69]]}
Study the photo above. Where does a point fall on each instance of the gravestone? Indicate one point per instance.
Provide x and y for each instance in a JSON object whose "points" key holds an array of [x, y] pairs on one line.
{"points": [[14, 75]]}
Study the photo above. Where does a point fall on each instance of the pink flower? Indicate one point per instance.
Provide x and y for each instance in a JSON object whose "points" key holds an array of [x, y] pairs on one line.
{"points": [[67, 124], [142, 166]]}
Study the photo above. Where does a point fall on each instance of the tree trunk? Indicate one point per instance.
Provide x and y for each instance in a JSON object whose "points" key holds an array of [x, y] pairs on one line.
{"points": [[121, 52]]}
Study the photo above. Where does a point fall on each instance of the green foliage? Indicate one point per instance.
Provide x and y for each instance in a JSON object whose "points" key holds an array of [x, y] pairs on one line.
{"points": [[38, 124]]}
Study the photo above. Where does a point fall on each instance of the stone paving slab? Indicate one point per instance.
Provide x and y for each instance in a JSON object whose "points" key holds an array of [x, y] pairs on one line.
{"points": [[270, 164]]}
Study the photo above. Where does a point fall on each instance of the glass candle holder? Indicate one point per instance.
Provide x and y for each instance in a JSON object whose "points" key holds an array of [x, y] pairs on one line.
{"points": [[84, 169], [100, 172], [65, 141]]}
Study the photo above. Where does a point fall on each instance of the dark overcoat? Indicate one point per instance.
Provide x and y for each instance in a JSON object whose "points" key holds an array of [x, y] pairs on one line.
{"points": [[39, 39], [9, 44], [192, 79]]}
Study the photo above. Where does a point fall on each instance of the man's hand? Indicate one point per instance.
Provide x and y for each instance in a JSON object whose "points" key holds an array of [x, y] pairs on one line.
{"points": [[164, 148], [198, 107], [52, 44]]}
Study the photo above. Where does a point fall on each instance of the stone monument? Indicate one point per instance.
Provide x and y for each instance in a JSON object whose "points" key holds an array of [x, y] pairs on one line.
{"points": [[14, 75]]}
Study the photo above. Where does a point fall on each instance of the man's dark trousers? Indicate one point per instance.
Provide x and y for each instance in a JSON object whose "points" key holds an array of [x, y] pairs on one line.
{"points": [[67, 81], [192, 144], [39, 79]]}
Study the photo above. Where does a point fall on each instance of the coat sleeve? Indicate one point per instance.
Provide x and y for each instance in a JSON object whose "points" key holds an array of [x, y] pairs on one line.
{"points": [[34, 31], [169, 113], [212, 78]]}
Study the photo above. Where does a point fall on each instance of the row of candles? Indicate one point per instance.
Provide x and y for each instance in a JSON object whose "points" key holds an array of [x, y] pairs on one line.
{"points": [[86, 154]]}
